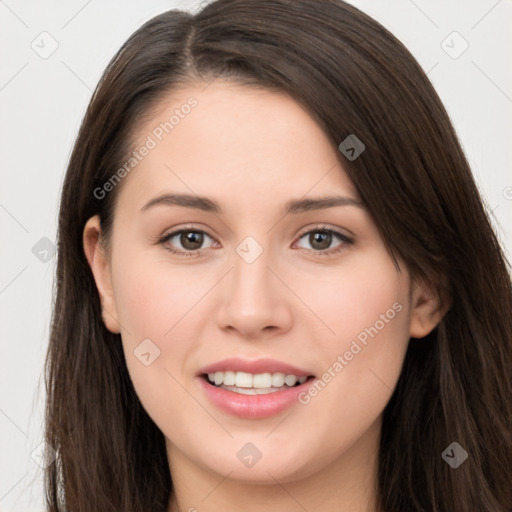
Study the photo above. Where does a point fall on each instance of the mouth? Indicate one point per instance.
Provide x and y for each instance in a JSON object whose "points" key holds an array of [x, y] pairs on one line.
{"points": [[253, 389], [255, 384]]}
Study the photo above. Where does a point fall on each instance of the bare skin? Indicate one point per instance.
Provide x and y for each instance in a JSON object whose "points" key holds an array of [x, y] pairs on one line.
{"points": [[299, 302]]}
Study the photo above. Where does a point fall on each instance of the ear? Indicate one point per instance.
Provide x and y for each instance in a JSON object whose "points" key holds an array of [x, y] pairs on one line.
{"points": [[427, 310], [100, 267]]}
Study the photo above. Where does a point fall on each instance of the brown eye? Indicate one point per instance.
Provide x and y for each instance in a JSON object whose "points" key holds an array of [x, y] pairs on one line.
{"points": [[320, 240], [187, 242], [191, 240]]}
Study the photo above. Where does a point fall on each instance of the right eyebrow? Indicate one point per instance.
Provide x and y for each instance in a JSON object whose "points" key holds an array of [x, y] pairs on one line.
{"points": [[187, 200]]}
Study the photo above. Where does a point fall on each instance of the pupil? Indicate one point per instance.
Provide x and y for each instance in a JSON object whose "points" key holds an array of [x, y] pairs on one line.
{"points": [[324, 240], [191, 240]]}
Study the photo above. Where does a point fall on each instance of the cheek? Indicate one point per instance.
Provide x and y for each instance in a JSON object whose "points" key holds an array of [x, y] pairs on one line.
{"points": [[148, 304], [161, 310], [152, 296], [365, 293], [367, 307]]}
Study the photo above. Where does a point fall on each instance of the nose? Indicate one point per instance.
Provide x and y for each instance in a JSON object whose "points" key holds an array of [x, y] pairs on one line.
{"points": [[254, 302]]}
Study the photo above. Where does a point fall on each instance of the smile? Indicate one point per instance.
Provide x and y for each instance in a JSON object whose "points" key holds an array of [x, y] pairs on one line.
{"points": [[252, 389], [254, 402], [254, 384]]}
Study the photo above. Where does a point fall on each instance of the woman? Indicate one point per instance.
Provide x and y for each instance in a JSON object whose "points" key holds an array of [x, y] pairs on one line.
{"points": [[277, 286]]}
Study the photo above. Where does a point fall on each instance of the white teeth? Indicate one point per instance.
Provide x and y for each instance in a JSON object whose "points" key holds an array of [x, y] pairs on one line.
{"points": [[251, 391], [290, 380], [260, 381], [278, 380], [243, 380], [229, 378]]}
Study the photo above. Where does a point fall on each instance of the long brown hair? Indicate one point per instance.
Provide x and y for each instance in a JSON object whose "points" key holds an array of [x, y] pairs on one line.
{"points": [[354, 77]]}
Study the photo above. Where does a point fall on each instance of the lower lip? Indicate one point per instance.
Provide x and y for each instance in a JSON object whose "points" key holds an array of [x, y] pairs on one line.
{"points": [[253, 406]]}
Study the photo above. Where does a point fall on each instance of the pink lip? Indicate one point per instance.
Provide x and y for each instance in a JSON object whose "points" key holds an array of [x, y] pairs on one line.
{"points": [[253, 406], [237, 364]]}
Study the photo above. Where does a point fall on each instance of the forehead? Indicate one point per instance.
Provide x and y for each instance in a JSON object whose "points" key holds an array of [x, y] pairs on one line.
{"points": [[239, 144]]}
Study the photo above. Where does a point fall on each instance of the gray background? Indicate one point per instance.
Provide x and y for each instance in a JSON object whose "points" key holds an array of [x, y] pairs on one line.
{"points": [[43, 98]]}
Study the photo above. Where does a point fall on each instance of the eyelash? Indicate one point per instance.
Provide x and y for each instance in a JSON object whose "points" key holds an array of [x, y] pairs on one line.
{"points": [[322, 229]]}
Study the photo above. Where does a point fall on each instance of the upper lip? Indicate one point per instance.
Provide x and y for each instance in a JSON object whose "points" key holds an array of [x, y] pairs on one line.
{"points": [[257, 366]]}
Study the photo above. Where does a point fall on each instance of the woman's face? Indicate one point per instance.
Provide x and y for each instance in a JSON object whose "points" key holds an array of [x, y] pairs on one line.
{"points": [[267, 279]]}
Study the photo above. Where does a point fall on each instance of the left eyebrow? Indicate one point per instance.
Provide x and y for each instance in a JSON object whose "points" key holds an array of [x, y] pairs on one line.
{"points": [[319, 203]]}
